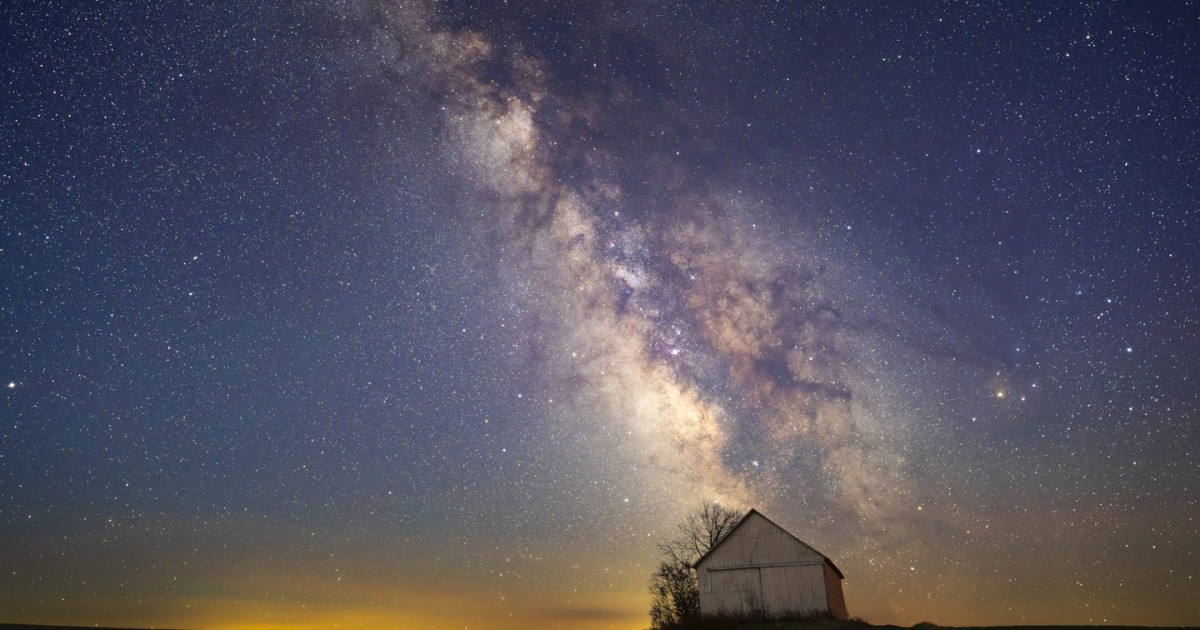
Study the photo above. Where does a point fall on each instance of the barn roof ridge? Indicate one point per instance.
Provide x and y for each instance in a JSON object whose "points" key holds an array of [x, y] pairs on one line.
{"points": [[782, 529]]}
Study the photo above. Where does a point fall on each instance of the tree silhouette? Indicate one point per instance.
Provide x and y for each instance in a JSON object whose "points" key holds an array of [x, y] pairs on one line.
{"points": [[674, 592]]}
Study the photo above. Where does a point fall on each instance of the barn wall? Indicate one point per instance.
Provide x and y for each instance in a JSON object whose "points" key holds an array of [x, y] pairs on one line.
{"points": [[734, 593], [758, 541], [837, 600], [761, 570], [793, 591], [769, 591]]}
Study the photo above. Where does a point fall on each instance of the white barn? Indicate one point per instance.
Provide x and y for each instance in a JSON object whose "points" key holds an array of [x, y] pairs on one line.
{"points": [[761, 570]]}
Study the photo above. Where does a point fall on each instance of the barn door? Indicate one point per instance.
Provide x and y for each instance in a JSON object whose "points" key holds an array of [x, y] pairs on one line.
{"points": [[793, 591], [737, 592]]}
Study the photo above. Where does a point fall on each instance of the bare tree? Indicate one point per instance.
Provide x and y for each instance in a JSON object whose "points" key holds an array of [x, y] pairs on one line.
{"points": [[675, 595]]}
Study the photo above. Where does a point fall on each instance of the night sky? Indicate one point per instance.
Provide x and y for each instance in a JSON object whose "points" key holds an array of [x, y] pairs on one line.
{"points": [[385, 314]]}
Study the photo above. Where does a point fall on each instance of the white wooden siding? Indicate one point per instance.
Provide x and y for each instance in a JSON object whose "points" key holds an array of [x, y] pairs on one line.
{"points": [[761, 570], [794, 591], [736, 592], [758, 541]]}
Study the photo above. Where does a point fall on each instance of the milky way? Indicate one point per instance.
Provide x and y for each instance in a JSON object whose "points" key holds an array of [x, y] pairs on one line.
{"points": [[440, 314], [678, 330]]}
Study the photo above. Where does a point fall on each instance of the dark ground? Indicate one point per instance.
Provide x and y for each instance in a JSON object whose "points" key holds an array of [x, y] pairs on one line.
{"points": [[773, 625], [28, 626], [859, 625]]}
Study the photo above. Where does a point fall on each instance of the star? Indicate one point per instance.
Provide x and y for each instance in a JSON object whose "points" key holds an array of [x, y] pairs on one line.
{"points": [[651, 280]]}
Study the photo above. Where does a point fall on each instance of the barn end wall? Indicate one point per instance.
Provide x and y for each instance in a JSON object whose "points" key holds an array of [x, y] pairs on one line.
{"points": [[759, 541], [760, 570], [793, 591]]}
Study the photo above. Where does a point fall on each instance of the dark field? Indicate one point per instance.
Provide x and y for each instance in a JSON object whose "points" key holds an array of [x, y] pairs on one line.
{"points": [[26, 626], [774, 625], [857, 625]]}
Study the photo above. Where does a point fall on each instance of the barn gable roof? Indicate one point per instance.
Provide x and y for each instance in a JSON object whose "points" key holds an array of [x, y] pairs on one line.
{"points": [[774, 524]]}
